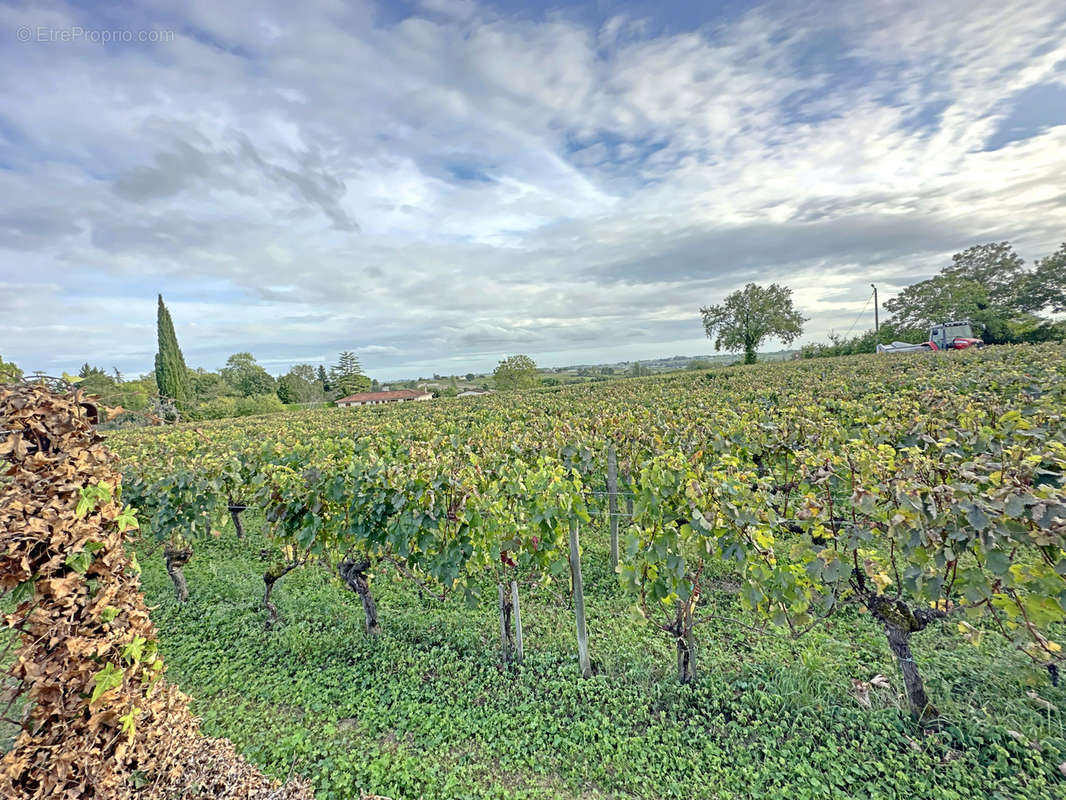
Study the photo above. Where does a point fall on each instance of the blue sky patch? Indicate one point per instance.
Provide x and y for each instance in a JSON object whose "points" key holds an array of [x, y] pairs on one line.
{"points": [[1031, 111]]}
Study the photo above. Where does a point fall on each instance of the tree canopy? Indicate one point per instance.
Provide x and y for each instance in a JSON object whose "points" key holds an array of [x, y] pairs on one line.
{"points": [[939, 299], [246, 376], [292, 389], [113, 390], [350, 384], [300, 385], [993, 266], [988, 285], [516, 372], [749, 316], [9, 373], [346, 377], [347, 364], [208, 386], [1044, 288]]}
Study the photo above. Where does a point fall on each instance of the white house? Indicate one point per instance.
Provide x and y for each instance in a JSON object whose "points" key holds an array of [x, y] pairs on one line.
{"points": [[377, 398]]}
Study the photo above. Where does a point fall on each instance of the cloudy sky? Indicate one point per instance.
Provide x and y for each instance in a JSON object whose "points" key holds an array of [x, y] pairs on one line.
{"points": [[438, 184]]}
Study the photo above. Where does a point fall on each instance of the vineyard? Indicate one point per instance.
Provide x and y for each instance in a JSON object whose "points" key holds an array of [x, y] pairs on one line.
{"points": [[834, 579]]}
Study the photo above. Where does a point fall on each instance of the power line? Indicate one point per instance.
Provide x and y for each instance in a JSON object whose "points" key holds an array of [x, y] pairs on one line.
{"points": [[857, 318]]}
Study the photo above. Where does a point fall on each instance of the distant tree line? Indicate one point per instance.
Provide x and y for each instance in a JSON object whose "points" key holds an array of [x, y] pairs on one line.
{"points": [[639, 370], [242, 387], [988, 285]]}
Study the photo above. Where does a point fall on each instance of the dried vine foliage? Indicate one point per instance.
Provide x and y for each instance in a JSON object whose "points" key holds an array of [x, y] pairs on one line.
{"points": [[97, 718]]}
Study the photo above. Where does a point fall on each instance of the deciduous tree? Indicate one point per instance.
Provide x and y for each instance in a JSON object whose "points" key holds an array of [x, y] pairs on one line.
{"points": [[300, 385], [350, 384], [95, 381], [207, 386], [939, 299], [304, 372], [246, 376], [1044, 288], [516, 372], [989, 286], [750, 316], [994, 266]]}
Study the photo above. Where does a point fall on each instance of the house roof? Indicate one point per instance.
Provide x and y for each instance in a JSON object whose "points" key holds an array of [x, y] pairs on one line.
{"points": [[399, 394]]}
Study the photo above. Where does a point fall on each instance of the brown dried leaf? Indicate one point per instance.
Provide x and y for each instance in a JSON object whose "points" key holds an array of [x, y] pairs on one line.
{"points": [[63, 751]]}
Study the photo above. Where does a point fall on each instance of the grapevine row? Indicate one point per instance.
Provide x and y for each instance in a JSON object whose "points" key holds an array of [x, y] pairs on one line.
{"points": [[915, 489]]}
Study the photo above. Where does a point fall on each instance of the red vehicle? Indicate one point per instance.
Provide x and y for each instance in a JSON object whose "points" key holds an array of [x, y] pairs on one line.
{"points": [[944, 336]]}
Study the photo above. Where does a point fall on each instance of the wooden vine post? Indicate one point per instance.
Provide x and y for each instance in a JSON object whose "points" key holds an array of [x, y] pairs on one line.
{"points": [[579, 604], [612, 500]]}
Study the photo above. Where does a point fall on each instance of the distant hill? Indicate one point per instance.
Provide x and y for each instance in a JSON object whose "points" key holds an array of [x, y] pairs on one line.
{"points": [[578, 371], [670, 363]]}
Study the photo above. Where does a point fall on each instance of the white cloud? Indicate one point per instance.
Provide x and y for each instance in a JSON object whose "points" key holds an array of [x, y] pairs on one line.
{"points": [[460, 184]]}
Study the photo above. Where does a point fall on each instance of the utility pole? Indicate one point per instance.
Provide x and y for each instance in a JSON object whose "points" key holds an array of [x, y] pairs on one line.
{"points": [[877, 325]]}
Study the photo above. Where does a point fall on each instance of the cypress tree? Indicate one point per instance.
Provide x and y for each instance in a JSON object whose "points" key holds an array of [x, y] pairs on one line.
{"points": [[171, 374]]}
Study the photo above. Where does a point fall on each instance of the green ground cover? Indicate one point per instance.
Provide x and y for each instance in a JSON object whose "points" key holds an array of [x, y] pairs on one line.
{"points": [[426, 710]]}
